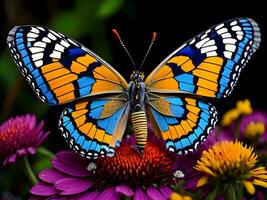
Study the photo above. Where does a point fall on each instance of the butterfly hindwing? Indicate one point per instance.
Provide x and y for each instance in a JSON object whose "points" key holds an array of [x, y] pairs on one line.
{"points": [[182, 122], [209, 64], [60, 69], [94, 128]]}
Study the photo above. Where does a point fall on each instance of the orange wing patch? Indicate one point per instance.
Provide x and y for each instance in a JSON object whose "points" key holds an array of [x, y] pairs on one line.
{"points": [[187, 78]]}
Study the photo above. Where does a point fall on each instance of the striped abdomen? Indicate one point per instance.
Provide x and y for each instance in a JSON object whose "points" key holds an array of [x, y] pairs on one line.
{"points": [[139, 122]]}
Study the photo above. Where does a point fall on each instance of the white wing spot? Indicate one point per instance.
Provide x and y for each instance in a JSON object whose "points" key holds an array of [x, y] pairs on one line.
{"points": [[219, 26], [46, 39], [51, 36], [236, 28], [39, 44], [37, 56], [208, 49], [221, 31], [39, 63], [55, 54], [227, 54], [60, 48]]}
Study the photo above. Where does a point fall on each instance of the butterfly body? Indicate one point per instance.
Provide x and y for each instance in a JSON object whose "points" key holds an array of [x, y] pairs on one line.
{"points": [[61, 70], [137, 101]]}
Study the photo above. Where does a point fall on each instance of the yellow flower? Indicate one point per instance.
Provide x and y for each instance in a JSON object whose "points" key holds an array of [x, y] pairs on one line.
{"points": [[242, 108], [176, 196], [229, 117], [228, 160], [254, 129]]}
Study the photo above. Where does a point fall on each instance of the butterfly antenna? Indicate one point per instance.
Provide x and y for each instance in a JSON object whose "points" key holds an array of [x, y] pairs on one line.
{"points": [[154, 35], [117, 35]]}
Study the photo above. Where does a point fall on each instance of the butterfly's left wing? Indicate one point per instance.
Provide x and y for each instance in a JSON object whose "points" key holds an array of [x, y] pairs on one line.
{"points": [[182, 122], [209, 64], [93, 128]]}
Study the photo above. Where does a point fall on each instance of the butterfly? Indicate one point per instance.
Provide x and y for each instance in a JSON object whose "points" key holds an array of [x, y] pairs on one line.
{"points": [[61, 70]]}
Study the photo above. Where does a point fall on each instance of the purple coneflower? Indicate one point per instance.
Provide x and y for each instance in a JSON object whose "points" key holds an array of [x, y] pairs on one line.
{"points": [[128, 174], [20, 136]]}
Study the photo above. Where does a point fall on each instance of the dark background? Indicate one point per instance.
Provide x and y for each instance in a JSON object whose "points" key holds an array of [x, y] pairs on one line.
{"points": [[90, 22]]}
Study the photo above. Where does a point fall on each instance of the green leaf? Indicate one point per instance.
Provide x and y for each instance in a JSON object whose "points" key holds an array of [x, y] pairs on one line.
{"points": [[213, 194], [239, 190], [108, 8], [41, 164], [230, 193]]}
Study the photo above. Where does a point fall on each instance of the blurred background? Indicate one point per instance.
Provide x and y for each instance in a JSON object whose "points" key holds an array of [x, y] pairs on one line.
{"points": [[90, 22]]}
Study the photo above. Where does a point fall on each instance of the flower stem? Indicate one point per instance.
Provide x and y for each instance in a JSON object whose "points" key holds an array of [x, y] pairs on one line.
{"points": [[45, 152], [29, 171]]}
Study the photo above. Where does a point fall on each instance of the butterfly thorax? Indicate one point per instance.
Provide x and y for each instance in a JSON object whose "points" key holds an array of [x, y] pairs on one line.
{"points": [[136, 91]]}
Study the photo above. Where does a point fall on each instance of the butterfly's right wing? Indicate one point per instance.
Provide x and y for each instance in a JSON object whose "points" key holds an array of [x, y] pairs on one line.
{"points": [[94, 128], [58, 68]]}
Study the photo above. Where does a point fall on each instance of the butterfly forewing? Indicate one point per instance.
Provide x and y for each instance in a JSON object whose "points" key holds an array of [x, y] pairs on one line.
{"points": [[209, 64], [60, 69]]}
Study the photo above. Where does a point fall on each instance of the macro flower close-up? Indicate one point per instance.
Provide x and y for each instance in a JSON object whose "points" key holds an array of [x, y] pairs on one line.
{"points": [[231, 165], [133, 100], [127, 174], [19, 136]]}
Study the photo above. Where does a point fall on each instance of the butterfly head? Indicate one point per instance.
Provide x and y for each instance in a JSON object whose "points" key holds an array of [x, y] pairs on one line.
{"points": [[137, 77]]}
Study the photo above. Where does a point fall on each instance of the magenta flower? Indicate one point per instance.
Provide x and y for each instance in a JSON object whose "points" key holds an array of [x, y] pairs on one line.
{"points": [[127, 174], [20, 136]]}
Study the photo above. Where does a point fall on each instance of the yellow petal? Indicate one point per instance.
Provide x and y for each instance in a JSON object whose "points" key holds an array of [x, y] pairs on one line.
{"points": [[244, 106], [260, 183], [187, 198], [205, 169], [176, 196], [261, 176], [249, 187], [202, 181]]}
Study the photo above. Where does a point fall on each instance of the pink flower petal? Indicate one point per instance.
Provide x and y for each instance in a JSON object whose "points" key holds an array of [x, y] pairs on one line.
{"points": [[166, 191], [21, 152], [71, 163], [109, 193], [125, 189], [70, 186], [43, 189], [31, 150], [153, 193], [11, 159], [89, 196], [51, 175], [140, 195]]}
